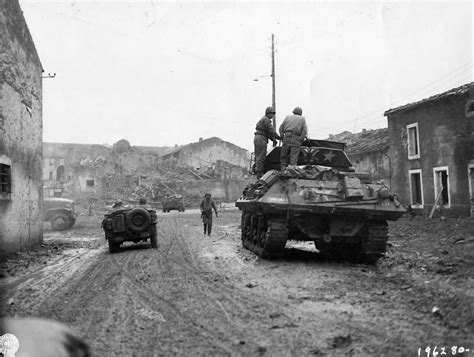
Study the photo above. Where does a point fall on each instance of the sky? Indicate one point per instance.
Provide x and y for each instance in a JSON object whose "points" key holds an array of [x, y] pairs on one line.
{"points": [[168, 73]]}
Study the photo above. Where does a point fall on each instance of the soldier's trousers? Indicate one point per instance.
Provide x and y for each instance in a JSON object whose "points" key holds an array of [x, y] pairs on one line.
{"points": [[260, 146], [207, 222], [290, 150]]}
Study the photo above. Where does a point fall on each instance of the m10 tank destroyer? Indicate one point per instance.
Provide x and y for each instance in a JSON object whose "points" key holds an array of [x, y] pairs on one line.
{"points": [[322, 199]]}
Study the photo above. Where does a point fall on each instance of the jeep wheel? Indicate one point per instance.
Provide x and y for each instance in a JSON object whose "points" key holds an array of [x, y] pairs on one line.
{"points": [[60, 222], [153, 237], [138, 219], [113, 247]]}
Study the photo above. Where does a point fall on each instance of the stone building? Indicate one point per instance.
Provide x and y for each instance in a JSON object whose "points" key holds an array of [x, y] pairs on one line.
{"points": [[20, 132], [205, 153], [432, 151], [72, 166], [368, 152]]}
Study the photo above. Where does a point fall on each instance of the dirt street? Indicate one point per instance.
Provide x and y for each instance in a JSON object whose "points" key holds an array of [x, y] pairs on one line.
{"points": [[207, 296]]}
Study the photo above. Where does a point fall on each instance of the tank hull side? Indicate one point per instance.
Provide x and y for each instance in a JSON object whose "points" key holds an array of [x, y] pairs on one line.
{"points": [[366, 210]]}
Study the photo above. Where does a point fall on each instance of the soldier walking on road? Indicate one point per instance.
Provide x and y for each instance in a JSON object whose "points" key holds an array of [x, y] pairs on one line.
{"points": [[264, 131], [293, 131], [207, 205]]}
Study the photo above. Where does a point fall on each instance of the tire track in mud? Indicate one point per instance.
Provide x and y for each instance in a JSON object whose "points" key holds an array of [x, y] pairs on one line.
{"points": [[37, 288], [173, 262], [171, 314], [287, 332], [241, 308]]}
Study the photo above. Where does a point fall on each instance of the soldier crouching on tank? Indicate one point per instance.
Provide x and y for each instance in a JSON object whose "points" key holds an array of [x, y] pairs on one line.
{"points": [[206, 213], [293, 131], [264, 131]]}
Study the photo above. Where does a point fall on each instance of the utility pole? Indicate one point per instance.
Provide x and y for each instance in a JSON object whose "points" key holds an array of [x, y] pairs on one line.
{"points": [[273, 80]]}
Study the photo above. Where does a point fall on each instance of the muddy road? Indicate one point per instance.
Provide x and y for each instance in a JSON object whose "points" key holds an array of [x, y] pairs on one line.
{"points": [[207, 296]]}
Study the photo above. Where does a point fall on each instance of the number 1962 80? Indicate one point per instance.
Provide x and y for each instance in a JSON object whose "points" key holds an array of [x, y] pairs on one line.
{"points": [[441, 351]]}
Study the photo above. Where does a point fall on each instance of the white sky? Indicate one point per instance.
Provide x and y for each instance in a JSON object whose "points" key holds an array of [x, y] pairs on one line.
{"points": [[164, 73]]}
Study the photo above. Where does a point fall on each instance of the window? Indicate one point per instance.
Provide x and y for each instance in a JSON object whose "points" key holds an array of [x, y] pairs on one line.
{"points": [[416, 188], [90, 183], [470, 171], [51, 175], [441, 185], [5, 181], [413, 141]]}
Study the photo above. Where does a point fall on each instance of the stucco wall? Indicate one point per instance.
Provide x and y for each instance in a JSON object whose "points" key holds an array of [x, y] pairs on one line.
{"points": [[209, 151], [20, 131], [445, 135], [375, 163], [69, 156], [223, 190]]}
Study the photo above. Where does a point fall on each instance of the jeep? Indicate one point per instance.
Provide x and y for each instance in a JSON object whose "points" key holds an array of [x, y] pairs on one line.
{"points": [[173, 202], [59, 212], [130, 224]]}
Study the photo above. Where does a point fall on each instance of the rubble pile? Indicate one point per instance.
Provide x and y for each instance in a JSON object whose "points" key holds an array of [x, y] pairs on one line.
{"points": [[98, 175]]}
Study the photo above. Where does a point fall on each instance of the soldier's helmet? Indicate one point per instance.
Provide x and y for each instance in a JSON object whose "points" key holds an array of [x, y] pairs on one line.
{"points": [[207, 195], [142, 201], [270, 110], [117, 203], [298, 111]]}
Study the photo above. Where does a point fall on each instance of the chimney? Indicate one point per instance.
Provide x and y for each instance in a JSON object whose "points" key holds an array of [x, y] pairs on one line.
{"points": [[200, 139]]}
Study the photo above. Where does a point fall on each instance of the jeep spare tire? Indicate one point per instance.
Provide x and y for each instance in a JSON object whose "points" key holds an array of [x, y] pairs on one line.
{"points": [[138, 219]]}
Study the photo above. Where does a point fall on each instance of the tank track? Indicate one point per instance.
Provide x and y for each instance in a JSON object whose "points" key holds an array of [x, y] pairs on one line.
{"points": [[265, 237], [374, 244]]}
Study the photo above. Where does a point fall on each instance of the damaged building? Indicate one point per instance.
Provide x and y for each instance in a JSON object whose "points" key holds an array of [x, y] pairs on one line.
{"points": [[21, 221], [83, 172], [368, 152], [221, 158], [66, 167], [432, 151]]}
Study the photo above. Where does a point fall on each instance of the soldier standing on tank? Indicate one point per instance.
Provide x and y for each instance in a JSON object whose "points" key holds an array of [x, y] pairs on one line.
{"points": [[264, 131], [206, 213], [293, 131]]}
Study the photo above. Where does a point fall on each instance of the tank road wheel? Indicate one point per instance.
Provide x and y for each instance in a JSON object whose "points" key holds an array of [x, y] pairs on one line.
{"points": [[245, 228], [261, 233], [374, 242], [254, 228], [275, 239]]}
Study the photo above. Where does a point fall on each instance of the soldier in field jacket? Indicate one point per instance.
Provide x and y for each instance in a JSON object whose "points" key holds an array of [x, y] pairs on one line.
{"points": [[207, 205], [264, 131], [293, 131]]}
